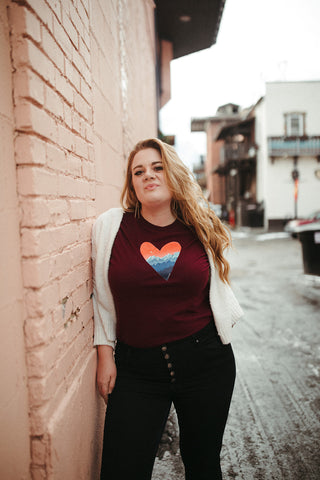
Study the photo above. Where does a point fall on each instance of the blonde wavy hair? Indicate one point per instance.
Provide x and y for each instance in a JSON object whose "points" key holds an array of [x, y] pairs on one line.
{"points": [[188, 203]]}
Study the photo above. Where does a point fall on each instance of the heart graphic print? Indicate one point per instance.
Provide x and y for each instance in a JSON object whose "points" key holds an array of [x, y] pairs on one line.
{"points": [[162, 261]]}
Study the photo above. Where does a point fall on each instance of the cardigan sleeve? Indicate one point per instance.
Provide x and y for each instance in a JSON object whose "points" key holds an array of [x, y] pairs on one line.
{"points": [[103, 305]]}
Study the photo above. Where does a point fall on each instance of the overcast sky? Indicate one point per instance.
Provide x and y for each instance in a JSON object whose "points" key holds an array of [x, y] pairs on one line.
{"points": [[259, 41]]}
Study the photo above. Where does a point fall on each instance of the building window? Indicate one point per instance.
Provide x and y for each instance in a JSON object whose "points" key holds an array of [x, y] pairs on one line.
{"points": [[295, 124]]}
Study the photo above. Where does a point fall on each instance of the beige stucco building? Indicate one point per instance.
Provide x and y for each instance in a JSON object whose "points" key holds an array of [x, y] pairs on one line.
{"points": [[81, 82]]}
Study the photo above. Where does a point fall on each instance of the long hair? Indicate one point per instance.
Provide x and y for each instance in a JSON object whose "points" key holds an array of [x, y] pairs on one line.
{"points": [[188, 203]]}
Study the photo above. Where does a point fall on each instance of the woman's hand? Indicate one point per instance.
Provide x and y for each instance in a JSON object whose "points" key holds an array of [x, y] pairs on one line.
{"points": [[106, 371]]}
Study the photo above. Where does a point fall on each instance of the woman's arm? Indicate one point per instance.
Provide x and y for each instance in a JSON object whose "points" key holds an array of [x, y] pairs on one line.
{"points": [[106, 371]]}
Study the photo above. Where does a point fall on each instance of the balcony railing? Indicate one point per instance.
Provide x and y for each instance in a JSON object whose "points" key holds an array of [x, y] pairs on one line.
{"points": [[237, 151], [294, 147]]}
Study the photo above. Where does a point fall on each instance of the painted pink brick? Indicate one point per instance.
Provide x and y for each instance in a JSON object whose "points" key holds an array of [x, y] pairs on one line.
{"points": [[86, 313], [72, 188], [38, 390], [23, 21], [84, 52], [55, 157], [61, 264], [36, 365], [76, 20], [89, 135], [75, 121], [80, 254], [81, 147], [79, 63], [55, 6], [29, 149], [59, 211], [36, 242], [43, 390], [91, 209], [81, 106], [69, 27], [33, 119], [74, 279], [38, 473], [25, 52], [83, 8], [62, 38], [34, 212], [30, 242], [66, 138], [91, 153], [38, 331], [36, 181], [86, 91], [74, 165], [81, 295], [87, 37], [38, 452], [53, 102], [88, 170], [72, 74], [43, 11], [39, 418], [85, 230], [78, 209], [52, 49], [78, 341], [63, 87], [28, 85], [43, 300], [67, 115], [36, 272]]}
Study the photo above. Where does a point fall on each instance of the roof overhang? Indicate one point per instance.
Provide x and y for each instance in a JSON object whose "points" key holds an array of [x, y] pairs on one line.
{"points": [[200, 124], [236, 128], [191, 25]]}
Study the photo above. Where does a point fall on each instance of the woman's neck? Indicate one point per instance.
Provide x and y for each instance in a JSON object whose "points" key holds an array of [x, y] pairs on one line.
{"points": [[158, 216]]}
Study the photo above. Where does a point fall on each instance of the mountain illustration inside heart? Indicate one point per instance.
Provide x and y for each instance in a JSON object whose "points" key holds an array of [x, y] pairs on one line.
{"points": [[163, 260]]}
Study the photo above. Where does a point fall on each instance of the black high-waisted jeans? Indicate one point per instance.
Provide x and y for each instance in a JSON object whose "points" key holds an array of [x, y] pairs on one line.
{"points": [[197, 374]]}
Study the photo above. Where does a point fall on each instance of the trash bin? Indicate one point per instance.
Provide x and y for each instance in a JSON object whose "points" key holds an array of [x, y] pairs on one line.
{"points": [[309, 236]]}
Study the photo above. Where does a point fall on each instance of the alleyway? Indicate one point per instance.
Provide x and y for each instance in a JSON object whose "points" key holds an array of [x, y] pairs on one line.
{"points": [[273, 429]]}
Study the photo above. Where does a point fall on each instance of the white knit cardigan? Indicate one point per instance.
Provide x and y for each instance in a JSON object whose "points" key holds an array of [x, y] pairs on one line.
{"points": [[225, 307]]}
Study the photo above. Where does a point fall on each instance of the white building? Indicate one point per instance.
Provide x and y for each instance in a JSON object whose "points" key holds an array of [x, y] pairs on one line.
{"points": [[287, 133]]}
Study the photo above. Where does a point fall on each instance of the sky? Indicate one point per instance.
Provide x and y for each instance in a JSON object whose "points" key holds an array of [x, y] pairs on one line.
{"points": [[259, 41]]}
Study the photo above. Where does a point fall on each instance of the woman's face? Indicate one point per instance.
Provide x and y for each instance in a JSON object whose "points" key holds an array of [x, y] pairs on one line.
{"points": [[148, 179]]}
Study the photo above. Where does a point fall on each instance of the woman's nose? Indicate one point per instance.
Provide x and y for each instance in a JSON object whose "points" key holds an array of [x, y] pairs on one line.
{"points": [[148, 174]]}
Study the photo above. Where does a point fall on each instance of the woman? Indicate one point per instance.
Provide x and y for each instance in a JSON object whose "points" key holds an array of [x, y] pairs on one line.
{"points": [[161, 294]]}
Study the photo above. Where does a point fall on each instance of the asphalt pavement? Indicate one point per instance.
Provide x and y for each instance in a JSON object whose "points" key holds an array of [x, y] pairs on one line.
{"points": [[273, 428]]}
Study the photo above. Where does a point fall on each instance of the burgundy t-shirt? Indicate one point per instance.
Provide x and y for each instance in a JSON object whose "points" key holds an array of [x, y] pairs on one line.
{"points": [[159, 278]]}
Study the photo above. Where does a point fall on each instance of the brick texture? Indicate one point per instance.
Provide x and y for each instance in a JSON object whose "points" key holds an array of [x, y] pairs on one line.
{"points": [[84, 93]]}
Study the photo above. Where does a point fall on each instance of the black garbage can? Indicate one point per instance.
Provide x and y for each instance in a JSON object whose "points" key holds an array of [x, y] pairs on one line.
{"points": [[309, 236]]}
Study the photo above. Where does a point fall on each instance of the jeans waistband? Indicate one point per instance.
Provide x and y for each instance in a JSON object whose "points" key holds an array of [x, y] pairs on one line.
{"points": [[196, 337]]}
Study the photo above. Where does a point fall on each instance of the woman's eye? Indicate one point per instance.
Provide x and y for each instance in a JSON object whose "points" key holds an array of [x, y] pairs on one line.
{"points": [[138, 172], [158, 168]]}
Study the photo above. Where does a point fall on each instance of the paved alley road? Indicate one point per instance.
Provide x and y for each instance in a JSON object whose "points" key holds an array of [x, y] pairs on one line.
{"points": [[273, 428]]}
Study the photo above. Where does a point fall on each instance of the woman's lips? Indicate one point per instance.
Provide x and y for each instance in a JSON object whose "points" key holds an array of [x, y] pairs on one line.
{"points": [[151, 186]]}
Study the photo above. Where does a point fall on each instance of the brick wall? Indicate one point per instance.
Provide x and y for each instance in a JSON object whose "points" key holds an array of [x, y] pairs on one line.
{"points": [[84, 93], [14, 424]]}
